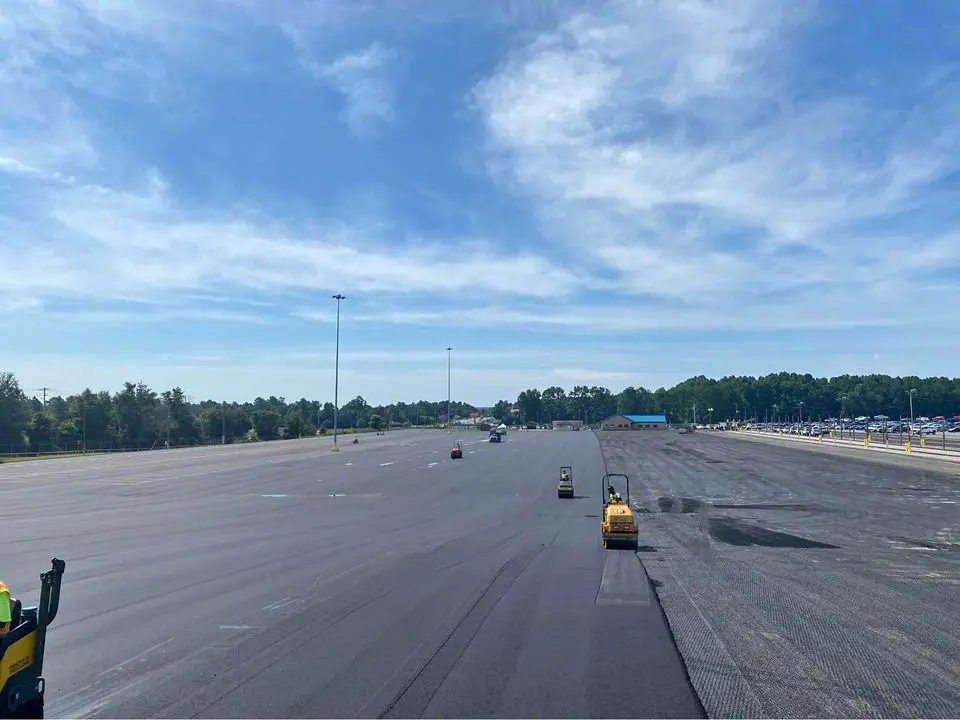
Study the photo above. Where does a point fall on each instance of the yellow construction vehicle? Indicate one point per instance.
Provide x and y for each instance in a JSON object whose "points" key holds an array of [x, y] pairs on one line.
{"points": [[618, 526], [21, 651], [565, 486]]}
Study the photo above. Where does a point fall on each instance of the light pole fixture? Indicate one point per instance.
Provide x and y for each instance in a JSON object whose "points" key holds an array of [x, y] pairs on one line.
{"points": [[449, 366], [336, 376], [913, 391], [710, 416], [843, 402]]}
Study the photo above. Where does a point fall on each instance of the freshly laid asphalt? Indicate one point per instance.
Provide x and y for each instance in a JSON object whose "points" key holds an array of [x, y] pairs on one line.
{"points": [[387, 580], [801, 581]]}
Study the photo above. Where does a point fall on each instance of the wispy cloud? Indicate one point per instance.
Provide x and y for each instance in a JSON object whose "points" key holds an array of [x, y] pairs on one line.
{"points": [[682, 146], [99, 243], [362, 78]]}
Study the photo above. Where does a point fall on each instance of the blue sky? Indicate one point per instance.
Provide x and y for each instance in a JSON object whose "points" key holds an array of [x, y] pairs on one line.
{"points": [[615, 193]]}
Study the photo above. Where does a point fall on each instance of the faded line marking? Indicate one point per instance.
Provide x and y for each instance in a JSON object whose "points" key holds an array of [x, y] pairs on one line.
{"points": [[274, 605], [138, 656], [386, 463], [274, 496]]}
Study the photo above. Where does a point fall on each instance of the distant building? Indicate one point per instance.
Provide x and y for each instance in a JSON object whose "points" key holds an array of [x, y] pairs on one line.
{"points": [[567, 424], [635, 422]]}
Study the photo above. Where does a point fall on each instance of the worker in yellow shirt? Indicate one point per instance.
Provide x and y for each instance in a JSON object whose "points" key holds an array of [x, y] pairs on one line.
{"points": [[5, 618]]}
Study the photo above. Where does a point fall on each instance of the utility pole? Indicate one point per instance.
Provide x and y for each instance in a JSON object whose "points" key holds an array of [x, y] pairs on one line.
{"points": [[336, 376], [44, 389], [223, 423], [449, 366], [84, 425], [694, 413]]}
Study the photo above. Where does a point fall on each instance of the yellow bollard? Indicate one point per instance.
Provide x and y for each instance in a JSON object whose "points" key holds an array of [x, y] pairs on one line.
{"points": [[906, 447], [923, 442], [866, 441], [819, 438]]}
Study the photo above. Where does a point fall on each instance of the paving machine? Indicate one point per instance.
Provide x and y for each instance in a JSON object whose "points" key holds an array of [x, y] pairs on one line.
{"points": [[565, 486], [21, 651], [618, 525]]}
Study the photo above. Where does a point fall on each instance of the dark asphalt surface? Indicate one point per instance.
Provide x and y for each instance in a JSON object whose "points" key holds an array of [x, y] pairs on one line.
{"points": [[281, 580], [801, 583]]}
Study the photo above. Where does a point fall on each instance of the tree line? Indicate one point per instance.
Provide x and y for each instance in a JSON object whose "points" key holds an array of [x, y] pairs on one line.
{"points": [[138, 417], [779, 396]]}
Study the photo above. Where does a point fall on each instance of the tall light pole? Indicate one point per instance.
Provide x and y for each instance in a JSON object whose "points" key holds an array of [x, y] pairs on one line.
{"points": [[710, 417], [843, 402], [913, 391], [449, 366], [336, 376]]}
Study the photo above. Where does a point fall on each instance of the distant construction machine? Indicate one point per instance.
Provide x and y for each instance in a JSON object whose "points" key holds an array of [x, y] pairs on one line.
{"points": [[565, 486]]}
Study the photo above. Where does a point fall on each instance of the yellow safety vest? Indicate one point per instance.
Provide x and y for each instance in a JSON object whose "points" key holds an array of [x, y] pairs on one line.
{"points": [[5, 613]]}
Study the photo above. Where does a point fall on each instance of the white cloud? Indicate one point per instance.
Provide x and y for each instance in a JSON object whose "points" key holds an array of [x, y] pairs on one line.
{"points": [[665, 141], [100, 243], [604, 319], [362, 78], [85, 226]]}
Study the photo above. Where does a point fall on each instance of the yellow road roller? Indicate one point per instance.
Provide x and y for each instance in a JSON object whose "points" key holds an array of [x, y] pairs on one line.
{"points": [[618, 526], [565, 486], [21, 651]]}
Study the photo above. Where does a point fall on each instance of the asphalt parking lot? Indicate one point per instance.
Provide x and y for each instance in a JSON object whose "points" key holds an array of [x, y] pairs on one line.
{"points": [[800, 583], [282, 580]]}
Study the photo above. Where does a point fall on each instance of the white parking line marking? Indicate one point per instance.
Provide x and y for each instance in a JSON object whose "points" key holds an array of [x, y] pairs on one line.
{"points": [[386, 463]]}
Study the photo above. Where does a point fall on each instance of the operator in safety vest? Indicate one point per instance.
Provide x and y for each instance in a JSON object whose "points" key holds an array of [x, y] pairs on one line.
{"points": [[5, 607]]}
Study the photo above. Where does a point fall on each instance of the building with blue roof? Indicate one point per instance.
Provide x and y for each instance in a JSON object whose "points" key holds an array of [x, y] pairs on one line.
{"points": [[635, 422]]}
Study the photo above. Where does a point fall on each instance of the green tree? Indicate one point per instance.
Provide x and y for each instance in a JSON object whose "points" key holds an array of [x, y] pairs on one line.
{"points": [[13, 414], [530, 403]]}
